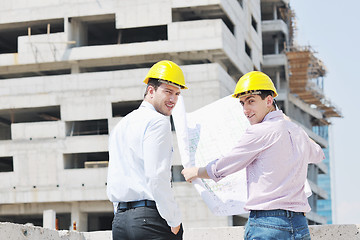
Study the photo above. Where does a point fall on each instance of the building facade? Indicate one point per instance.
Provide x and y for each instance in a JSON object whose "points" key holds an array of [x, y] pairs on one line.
{"points": [[70, 70], [324, 206], [299, 75]]}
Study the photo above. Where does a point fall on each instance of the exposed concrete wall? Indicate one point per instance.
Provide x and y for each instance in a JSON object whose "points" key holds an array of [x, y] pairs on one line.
{"points": [[53, 50], [143, 13], [38, 130], [194, 211], [21, 232], [81, 97]]}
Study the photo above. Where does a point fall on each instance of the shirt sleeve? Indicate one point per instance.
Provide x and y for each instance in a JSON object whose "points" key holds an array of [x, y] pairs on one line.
{"points": [[316, 154], [243, 154], [157, 150]]}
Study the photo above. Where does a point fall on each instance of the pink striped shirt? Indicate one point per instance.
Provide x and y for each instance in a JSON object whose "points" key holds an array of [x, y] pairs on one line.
{"points": [[276, 154]]}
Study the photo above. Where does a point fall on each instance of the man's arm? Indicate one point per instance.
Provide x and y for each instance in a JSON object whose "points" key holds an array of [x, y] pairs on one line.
{"points": [[157, 151], [238, 158], [192, 173], [316, 152]]}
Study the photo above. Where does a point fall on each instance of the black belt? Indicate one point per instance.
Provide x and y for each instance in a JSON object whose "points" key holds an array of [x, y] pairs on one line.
{"points": [[136, 204], [275, 212]]}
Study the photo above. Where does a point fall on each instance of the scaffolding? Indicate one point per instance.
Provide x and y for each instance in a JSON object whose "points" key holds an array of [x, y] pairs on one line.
{"points": [[306, 80]]}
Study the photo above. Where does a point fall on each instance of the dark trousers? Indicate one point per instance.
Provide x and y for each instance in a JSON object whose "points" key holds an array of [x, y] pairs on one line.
{"points": [[142, 223]]}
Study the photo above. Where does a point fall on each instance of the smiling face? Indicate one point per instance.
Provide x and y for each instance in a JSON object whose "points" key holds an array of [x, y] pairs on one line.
{"points": [[164, 98], [255, 108]]}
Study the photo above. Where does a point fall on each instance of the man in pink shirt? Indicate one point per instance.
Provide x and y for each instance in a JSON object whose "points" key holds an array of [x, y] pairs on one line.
{"points": [[276, 154]]}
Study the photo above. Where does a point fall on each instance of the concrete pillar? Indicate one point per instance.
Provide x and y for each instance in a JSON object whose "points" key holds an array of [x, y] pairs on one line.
{"points": [[275, 11], [78, 32], [276, 44], [230, 220], [49, 219], [278, 80], [78, 217], [75, 68]]}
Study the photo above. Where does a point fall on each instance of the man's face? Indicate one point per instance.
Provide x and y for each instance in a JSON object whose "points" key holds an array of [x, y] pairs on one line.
{"points": [[255, 108], [164, 98]]}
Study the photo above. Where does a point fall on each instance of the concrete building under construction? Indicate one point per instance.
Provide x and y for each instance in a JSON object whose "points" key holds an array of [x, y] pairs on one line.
{"points": [[70, 70]]}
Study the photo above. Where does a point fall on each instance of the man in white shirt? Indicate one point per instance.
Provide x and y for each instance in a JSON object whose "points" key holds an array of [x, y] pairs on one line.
{"points": [[139, 173]]}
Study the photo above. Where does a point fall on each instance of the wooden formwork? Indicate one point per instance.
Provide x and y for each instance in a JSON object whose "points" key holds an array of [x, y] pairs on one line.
{"points": [[304, 67]]}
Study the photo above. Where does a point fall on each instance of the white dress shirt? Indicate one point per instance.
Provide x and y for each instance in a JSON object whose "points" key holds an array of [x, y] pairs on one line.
{"points": [[140, 150]]}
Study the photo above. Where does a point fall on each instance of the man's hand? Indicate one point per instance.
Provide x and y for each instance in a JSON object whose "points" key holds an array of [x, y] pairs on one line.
{"points": [[190, 173], [175, 230]]}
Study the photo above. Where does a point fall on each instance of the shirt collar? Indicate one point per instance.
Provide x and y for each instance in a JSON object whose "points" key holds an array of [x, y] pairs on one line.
{"points": [[146, 104], [273, 114]]}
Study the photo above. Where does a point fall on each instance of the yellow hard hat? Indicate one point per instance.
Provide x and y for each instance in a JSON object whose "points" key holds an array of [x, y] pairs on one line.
{"points": [[167, 71], [252, 82]]}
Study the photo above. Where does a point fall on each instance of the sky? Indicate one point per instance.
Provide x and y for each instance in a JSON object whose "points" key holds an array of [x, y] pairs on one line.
{"points": [[331, 28]]}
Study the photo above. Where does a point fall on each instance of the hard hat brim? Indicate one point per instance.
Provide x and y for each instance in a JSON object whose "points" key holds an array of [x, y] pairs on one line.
{"points": [[251, 92], [167, 82]]}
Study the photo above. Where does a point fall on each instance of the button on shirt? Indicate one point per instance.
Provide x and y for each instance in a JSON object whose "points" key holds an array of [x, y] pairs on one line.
{"points": [[276, 154], [140, 149]]}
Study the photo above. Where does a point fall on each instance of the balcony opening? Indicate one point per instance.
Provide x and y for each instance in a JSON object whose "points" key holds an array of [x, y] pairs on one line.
{"points": [[64, 220], [186, 59], [5, 130], [35, 219], [273, 43], [267, 11], [270, 12], [88, 127], [23, 115], [102, 33], [143, 34], [117, 67], [202, 13], [254, 23], [241, 3], [100, 221], [121, 109], [101, 30], [195, 61], [86, 160], [36, 74], [247, 49], [9, 36], [6, 164]]}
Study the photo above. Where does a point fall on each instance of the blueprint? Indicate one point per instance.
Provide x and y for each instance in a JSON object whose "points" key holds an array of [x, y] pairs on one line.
{"points": [[205, 135]]}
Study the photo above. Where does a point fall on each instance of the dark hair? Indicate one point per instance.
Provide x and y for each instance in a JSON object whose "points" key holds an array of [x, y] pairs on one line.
{"points": [[265, 93], [154, 82]]}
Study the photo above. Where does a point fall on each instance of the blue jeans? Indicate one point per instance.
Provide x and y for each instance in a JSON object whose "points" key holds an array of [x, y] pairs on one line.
{"points": [[276, 224]]}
